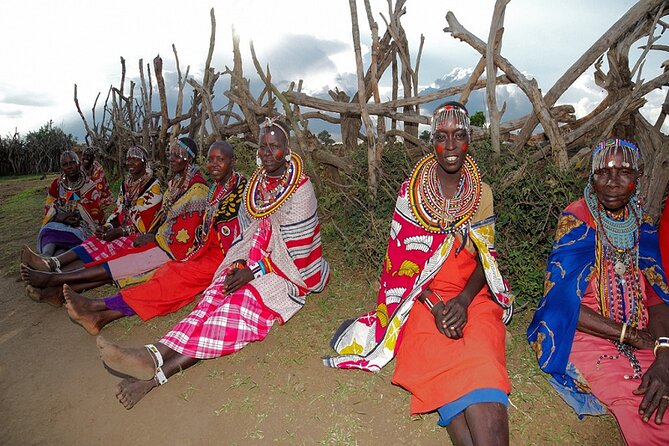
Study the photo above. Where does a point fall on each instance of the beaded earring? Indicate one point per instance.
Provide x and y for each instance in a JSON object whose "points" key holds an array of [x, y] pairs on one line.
{"points": [[258, 161], [287, 157]]}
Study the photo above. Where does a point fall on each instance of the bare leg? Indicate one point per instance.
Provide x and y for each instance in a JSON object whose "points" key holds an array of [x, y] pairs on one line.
{"points": [[42, 279], [77, 264], [91, 314], [488, 423], [130, 391], [68, 257], [458, 430]]}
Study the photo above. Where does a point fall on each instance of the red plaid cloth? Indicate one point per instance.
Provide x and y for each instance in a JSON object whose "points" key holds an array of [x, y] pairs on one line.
{"points": [[101, 250], [220, 325]]}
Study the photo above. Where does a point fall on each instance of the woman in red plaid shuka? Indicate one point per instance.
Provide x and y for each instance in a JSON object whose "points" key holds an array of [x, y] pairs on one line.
{"points": [[264, 278]]}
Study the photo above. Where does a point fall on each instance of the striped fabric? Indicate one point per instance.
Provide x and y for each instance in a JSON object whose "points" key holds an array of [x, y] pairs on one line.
{"points": [[303, 240]]}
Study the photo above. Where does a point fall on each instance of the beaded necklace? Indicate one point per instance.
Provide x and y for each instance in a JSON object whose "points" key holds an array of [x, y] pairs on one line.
{"points": [[435, 212], [73, 186], [133, 187], [264, 194], [617, 262], [178, 185]]}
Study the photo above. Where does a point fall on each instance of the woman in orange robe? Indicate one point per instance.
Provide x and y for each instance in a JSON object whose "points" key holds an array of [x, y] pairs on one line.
{"points": [[442, 301]]}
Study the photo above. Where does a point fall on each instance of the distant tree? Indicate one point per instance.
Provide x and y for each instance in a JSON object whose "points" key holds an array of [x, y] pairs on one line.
{"points": [[325, 137], [425, 135], [477, 119]]}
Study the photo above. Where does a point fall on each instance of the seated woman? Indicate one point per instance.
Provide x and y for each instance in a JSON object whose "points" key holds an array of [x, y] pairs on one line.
{"points": [[176, 283], [602, 327], [442, 299], [171, 237], [73, 208], [264, 278], [96, 173]]}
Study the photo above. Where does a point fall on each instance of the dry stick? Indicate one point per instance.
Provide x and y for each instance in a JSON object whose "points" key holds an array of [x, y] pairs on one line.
{"points": [[530, 88], [146, 122], [620, 28], [663, 113], [384, 108], [76, 103], [239, 87], [637, 94], [181, 81], [473, 79], [493, 49], [129, 106], [122, 75], [395, 87], [372, 180], [206, 103], [377, 150], [208, 85], [162, 136]]}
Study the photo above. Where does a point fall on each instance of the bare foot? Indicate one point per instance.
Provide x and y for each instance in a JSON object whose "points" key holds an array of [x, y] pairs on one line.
{"points": [[39, 279], [79, 309], [135, 362], [52, 295], [130, 391], [34, 260]]}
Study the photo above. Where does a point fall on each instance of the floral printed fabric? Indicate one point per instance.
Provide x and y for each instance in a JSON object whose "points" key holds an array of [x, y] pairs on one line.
{"points": [[412, 259]]}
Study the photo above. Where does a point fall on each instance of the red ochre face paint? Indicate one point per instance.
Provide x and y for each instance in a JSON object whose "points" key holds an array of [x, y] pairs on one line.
{"points": [[631, 186], [279, 155], [465, 146], [440, 148]]}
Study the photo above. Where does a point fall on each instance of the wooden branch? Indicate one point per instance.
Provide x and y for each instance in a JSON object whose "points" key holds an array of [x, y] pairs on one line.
{"points": [[530, 88], [622, 26], [493, 50], [160, 81], [76, 103]]}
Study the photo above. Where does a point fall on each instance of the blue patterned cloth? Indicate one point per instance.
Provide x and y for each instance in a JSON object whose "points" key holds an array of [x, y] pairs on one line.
{"points": [[570, 267]]}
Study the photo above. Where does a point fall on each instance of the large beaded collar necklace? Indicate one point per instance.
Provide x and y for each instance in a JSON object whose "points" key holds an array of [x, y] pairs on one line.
{"points": [[435, 212], [617, 257], [264, 195]]}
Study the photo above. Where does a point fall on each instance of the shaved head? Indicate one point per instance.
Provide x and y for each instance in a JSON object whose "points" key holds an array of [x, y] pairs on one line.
{"points": [[224, 147]]}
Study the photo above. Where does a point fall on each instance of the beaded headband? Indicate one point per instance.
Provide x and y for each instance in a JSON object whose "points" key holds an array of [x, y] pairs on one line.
{"points": [[270, 123], [185, 147], [450, 113], [609, 148], [137, 152]]}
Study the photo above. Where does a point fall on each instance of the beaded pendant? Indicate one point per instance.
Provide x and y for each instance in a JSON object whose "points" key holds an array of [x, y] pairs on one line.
{"points": [[262, 201], [433, 211]]}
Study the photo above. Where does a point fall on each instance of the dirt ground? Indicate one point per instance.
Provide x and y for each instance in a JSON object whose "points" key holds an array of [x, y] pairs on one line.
{"points": [[55, 391]]}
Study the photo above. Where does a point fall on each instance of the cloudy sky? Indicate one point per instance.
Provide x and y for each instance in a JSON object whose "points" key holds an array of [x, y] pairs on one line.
{"points": [[49, 46]]}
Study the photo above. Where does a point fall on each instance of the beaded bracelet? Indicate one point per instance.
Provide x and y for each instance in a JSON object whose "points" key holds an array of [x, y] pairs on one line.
{"points": [[432, 299], [661, 342]]}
